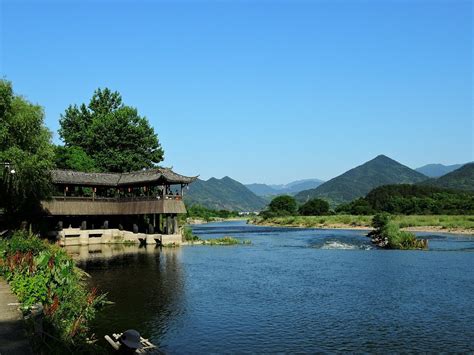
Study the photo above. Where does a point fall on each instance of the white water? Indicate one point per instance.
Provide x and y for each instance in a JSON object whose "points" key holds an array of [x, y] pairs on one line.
{"points": [[343, 246]]}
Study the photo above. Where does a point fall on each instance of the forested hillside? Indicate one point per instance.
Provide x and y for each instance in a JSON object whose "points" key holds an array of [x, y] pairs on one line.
{"points": [[359, 181]]}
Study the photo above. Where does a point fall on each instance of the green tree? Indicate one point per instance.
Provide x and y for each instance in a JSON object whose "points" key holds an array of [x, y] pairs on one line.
{"points": [[314, 207], [73, 158], [114, 135], [283, 205], [25, 144]]}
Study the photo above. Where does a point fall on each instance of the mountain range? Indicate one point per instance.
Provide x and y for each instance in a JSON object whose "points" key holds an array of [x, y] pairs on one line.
{"points": [[437, 170], [223, 194], [291, 188], [358, 181], [460, 179], [229, 194]]}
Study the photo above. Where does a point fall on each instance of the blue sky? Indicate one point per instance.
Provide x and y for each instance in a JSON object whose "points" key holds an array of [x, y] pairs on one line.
{"points": [[262, 91]]}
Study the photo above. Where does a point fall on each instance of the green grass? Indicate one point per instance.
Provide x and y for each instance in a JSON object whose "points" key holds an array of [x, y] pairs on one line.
{"points": [[458, 222]]}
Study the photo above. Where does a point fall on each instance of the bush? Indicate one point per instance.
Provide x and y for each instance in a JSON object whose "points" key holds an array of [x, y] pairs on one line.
{"points": [[39, 272]]}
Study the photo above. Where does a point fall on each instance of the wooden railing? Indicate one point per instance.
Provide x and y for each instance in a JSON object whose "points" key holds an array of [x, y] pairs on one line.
{"points": [[80, 205], [117, 199]]}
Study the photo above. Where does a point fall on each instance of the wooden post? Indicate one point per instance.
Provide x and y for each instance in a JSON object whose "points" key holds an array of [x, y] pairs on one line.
{"points": [[168, 224], [175, 224]]}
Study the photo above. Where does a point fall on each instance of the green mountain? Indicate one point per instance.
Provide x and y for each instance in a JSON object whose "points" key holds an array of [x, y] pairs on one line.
{"points": [[359, 181], [460, 179], [223, 194], [437, 170]]}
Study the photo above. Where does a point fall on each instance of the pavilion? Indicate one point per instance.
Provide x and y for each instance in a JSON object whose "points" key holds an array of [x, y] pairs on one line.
{"points": [[146, 202]]}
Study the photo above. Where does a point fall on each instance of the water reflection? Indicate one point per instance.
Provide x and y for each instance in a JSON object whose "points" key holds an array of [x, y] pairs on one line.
{"points": [[145, 283]]}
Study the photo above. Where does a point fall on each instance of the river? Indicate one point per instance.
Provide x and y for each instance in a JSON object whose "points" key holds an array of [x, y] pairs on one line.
{"points": [[291, 290]]}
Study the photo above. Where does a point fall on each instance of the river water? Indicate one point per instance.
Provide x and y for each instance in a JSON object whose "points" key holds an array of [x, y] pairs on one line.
{"points": [[291, 290]]}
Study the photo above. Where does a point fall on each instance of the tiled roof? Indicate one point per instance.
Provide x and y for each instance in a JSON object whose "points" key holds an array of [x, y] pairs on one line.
{"points": [[157, 175]]}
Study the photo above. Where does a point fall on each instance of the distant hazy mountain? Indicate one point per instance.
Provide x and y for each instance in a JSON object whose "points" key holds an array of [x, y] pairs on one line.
{"points": [[224, 193], [358, 181], [288, 189], [437, 170], [460, 179], [262, 189]]}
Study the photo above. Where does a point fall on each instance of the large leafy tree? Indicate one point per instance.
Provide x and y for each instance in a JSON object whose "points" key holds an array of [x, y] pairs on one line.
{"points": [[26, 155], [73, 158], [314, 207], [283, 205], [114, 135]]}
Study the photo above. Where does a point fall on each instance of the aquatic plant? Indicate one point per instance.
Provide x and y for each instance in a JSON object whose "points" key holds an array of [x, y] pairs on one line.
{"points": [[227, 240]]}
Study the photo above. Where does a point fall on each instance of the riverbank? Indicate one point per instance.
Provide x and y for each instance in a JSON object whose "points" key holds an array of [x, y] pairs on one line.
{"points": [[197, 220], [459, 224]]}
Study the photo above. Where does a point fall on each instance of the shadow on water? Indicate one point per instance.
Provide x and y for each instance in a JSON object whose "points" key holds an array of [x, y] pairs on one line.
{"points": [[145, 284]]}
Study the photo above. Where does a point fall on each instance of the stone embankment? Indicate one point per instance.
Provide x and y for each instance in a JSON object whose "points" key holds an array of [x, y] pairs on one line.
{"points": [[76, 236]]}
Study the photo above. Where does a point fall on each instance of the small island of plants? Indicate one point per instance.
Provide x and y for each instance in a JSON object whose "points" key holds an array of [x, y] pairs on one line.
{"points": [[387, 235], [226, 240]]}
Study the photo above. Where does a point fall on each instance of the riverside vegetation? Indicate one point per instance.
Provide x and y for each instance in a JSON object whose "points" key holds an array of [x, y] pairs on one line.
{"points": [[40, 273], [207, 214], [460, 223], [412, 206]]}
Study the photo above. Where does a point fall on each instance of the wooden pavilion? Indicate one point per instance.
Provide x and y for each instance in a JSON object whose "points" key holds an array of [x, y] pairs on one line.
{"points": [[147, 201]]}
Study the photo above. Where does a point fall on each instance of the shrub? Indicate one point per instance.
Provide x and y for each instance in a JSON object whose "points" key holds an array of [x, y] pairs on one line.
{"points": [[188, 234]]}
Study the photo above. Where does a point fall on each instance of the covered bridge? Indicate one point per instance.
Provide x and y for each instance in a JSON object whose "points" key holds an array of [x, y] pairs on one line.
{"points": [[147, 201]]}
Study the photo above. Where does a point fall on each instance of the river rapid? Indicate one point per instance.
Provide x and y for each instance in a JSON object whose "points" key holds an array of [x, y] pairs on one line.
{"points": [[291, 291]]}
